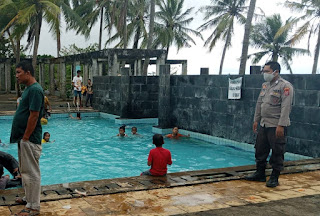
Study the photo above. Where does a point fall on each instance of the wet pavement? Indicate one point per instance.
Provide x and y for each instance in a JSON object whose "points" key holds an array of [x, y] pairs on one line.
{"points": [[298, 194]]}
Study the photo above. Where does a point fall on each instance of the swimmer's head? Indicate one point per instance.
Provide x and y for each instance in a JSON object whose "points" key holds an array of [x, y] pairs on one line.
{"points": [[122, 130], [175, 130], [78, 115], [46, 136], [157, 139], [134, 130]]}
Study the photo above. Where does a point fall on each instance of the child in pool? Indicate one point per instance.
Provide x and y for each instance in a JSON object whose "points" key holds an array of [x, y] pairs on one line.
{"points": [[134, 131], [43, 120], [175, 134], [46, 138], [78, 116], [122, 131], [158, 158]]}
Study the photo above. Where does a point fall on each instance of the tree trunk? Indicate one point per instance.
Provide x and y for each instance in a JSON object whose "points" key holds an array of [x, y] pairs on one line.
{"points": [[136, 38], [167, 53], [225, 50], [36, 41], [58, 42], [101, 27], [275, 56], [245, 44], [125, 30], [14, 48], [150, 38], [316, 55], [58, 37]]}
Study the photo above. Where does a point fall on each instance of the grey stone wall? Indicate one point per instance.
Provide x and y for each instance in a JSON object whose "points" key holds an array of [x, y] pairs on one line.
{"points": [[200, 103], [143, 96]]}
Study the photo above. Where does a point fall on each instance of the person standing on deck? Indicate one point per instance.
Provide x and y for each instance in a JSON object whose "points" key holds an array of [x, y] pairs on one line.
{"points": [[26, 131], [272, 113], [77, 84]]}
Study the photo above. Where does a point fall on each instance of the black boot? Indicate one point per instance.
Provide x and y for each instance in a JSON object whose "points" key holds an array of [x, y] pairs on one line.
{"points": [[259, 176], [273, 180]]}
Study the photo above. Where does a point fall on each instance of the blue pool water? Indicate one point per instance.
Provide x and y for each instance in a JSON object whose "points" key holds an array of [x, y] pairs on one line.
{"points": [[89, 150]]}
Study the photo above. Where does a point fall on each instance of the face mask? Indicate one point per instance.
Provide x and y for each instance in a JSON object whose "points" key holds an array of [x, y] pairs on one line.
{"points": [[268, 77]]}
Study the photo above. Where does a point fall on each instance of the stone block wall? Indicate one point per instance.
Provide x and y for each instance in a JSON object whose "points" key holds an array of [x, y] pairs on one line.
{"points": [[143, 95], [200, 103]]}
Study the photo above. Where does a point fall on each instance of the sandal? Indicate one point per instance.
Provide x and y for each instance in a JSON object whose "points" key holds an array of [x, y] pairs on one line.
{"points": [[28, 212], [21, 201]]}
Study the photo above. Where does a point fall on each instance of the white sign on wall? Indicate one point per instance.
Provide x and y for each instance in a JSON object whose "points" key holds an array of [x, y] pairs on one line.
{"points": [[235, 88]]}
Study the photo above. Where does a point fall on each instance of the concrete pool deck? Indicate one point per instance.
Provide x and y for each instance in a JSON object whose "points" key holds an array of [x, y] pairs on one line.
{"points": [[203, 192], [298, 194]]}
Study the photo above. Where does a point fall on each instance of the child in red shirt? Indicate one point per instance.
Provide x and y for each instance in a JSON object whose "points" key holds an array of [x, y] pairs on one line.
{"points": [[158, 158]]}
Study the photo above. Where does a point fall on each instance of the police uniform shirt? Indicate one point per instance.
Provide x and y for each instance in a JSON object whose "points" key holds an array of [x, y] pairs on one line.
{"points": [[274, 104]]}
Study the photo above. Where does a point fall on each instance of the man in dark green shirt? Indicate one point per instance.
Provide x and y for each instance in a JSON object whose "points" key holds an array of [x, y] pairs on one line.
{"points": [[27, 132]]}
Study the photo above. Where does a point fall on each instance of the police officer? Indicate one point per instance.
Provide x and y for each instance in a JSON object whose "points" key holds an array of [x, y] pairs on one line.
{"points": [[272, 112]]}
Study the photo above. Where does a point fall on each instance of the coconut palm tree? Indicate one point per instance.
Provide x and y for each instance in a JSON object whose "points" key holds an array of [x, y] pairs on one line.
{"points": [[171, 26], [32, 13], [265, 36], [93, 11], [150, 35], [311, 10], [222, 15], [136, 27], [246, 37]]}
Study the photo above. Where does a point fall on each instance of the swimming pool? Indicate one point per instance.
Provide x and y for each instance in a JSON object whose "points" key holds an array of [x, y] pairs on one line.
{"points": [[89, 150]]}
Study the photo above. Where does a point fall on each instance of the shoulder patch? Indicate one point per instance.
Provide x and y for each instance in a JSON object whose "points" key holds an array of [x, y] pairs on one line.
{"points": [[286, 91], [264, 86]]}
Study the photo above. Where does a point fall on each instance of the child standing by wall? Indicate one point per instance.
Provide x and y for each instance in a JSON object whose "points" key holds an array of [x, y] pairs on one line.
{"points": [[158, 158]]}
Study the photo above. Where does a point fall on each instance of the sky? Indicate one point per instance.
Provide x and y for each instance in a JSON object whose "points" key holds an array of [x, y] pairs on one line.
{"points": [[198, 56]]}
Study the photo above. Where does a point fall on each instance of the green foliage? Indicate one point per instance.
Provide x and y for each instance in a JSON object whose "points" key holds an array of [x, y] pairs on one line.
{"points": [[311, 25], [171, 25], [73, 49], [265, 36], [5, 48]]}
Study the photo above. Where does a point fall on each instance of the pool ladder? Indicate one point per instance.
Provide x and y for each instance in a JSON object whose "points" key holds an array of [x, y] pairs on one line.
{"points": [[68, 107]]}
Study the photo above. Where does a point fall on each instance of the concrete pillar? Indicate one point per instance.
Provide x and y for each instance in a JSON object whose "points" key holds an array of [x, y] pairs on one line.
{"points": [[2, 77], [160, 61], [204, 71], [85, 74], [41, 74], [184, 68], [51, 79], [139, 68], [135, 72], [63, 94], [125, 92], [95, 68], [7, 72], [115, 66], [255, 69], [90, 76], [76, 66], [100, 69], [164, 112]]}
